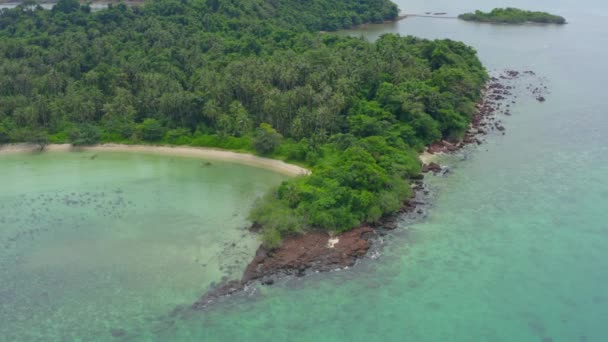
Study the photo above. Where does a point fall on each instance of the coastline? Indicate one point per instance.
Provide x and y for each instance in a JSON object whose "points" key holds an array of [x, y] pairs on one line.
{"points": [[314, 252], [181, 151]]}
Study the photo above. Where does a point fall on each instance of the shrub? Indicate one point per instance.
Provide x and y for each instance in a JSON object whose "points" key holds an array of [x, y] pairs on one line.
{"points": [[38, 137], [266, 139], [4, 137], [84, 135], [271, 238], [150, 130], [179, 136]]}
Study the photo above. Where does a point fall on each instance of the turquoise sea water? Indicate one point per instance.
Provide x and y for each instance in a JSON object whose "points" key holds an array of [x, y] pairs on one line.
{"points": [[95, 243], [514, 248]]}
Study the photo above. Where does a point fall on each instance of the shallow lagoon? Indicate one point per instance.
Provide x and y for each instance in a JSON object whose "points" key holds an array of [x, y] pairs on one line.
{"points": [[93, 243]]}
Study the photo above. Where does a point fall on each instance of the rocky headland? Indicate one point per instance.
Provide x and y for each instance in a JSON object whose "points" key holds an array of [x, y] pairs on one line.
{"points": [[320, 252]]}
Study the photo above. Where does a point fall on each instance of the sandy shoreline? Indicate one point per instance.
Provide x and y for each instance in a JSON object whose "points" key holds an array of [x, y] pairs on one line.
{"points": [[426, 157], [183, 151]]}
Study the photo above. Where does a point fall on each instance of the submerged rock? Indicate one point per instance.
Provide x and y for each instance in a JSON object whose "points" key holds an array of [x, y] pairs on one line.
{"points": [[118, 332], [225, 289]]}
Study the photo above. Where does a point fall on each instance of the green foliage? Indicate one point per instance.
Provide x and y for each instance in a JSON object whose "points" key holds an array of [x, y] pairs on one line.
{"points": [[4, 137], [150, 130], [85, 134], [360, 183], [513, 16], [59, 138], [277, 219], [266, 139], [40, 138], [248, 75], [178, 136], [271, 238], [223, 142], [66, 6]]}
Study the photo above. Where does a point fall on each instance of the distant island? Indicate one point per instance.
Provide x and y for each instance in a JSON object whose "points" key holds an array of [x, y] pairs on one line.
{"points": [[513, 16]]}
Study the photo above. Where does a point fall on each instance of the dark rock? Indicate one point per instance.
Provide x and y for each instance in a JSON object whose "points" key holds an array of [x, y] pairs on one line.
{"points": [[417, 176], [540, 99], [255, 227], [390, 225], [225, 289], [118, 332], [441, 147], [431, 167], [512, 73]]}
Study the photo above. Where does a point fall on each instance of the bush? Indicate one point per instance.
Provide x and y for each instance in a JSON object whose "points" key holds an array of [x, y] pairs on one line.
{"points": [[295, 151], [66, 6], [179, 136], [59, 138], [271, 238], [229, 143], [84, 135], [38, 137], [4, 137], [121, 129], [150, 130], [266, 139]]}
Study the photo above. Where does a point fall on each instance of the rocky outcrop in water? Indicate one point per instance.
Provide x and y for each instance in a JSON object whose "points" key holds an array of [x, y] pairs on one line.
{"points": [[320, 252], [431, 167], [297, 256]]}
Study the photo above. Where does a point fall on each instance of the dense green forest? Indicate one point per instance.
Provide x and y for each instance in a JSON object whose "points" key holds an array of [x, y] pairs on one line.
{"points": [[513, 16], [249, 75]]}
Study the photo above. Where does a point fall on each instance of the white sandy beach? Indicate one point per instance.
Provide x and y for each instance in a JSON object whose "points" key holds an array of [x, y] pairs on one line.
{"points": [[198, 152]]}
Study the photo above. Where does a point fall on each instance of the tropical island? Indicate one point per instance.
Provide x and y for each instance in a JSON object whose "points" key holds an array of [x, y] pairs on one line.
{"points": [[511, 15], [249, 76]]}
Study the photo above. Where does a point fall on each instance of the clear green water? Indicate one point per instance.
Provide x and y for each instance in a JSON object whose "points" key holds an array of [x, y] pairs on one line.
{"points": [[514, 249], [88, 246]]}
